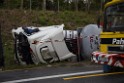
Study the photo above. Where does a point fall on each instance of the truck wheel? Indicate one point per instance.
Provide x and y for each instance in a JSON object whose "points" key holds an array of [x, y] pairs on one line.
{"points": [[107, 68], [34, 58], [18, 54], [117, 69]]}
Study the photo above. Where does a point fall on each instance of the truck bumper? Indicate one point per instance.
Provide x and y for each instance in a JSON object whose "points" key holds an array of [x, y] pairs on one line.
{"points": [[116, 60]]}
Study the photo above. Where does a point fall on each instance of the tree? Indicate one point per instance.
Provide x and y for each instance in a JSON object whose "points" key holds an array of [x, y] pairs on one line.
{"points": [[76, 5], [1, 2], [21, 4], [44, 5], [87, 4], [58, 5], [30, 5]]}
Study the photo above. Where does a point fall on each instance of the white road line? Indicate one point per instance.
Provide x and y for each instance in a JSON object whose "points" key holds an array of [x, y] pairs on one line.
{"points": [[53, 76]]}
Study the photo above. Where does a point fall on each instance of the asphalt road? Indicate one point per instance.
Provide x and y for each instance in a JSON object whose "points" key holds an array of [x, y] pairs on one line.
{"points": [[66, 74]]}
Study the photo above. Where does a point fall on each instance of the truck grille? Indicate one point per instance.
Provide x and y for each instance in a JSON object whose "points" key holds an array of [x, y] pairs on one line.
{"points": [[116, 49]]}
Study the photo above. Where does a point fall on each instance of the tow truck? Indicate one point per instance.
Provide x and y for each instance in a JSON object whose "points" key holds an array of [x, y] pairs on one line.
{"points": [[111, 53]]}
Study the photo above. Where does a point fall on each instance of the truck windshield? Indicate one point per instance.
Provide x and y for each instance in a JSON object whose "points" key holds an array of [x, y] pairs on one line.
{"points": [[115, 17]]}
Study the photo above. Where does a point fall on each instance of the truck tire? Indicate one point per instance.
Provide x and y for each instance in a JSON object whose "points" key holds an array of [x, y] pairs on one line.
{"points": [[22, 52], [106, 68], [34, 58], [18, 54]]}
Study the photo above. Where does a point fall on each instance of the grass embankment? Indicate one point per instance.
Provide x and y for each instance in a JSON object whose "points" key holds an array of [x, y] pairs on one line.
{"points": [[15, 18]]}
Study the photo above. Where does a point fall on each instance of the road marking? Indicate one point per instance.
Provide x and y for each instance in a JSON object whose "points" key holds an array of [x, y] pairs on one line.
{"points": [[93, 75], [53, 76]]}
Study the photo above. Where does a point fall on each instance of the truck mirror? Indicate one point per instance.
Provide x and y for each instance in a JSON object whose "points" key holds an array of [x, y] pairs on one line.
{"points": [[98, 21]]}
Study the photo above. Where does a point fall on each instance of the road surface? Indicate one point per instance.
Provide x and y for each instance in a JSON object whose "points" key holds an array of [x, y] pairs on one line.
{"points": [[66, 74]]}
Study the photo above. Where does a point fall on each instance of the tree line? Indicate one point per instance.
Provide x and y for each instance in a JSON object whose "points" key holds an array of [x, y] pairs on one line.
{"points": [[56, 5]]}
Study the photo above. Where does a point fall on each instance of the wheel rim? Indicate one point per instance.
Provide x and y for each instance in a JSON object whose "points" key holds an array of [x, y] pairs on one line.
{"points": [[34, 58]]}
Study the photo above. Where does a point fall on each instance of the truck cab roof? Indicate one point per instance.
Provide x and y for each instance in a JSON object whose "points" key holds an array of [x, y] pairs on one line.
{"points": [[113, 2]]}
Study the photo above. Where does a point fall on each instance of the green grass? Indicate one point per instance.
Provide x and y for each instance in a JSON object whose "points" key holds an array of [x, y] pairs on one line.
{"points": [[16, 18], [72, 20]]}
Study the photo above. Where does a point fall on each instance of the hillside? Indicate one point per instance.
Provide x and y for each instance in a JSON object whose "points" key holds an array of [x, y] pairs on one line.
{"points": [[15, 18]]}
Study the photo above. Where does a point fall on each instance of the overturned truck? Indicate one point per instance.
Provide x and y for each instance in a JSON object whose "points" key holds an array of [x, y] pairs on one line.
{"points": [[51, 43]]}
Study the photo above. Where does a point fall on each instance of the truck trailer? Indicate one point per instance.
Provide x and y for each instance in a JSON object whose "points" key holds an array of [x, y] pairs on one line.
{"points": [[111, 53], [53, 43]]}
